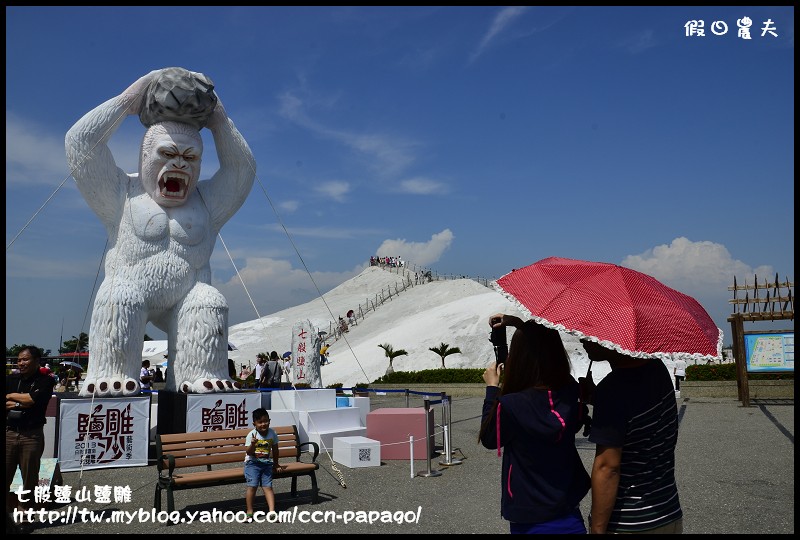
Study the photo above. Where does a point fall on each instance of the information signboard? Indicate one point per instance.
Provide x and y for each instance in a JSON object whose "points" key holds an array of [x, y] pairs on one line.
{"points": [[769, 351]]}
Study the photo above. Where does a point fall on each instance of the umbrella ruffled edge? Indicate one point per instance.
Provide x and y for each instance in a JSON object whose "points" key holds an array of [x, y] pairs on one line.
{"points": [[610, 344]]}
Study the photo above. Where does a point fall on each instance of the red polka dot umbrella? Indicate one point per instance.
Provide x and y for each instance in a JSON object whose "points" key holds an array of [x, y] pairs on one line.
{"points": [[617, 307]]}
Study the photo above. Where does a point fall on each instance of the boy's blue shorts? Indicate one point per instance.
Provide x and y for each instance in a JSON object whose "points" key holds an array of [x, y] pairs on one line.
{"points": [[257, 473]]}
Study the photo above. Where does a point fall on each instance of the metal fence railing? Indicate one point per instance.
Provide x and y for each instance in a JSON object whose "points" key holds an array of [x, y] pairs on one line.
{"points": [[410, 275]]}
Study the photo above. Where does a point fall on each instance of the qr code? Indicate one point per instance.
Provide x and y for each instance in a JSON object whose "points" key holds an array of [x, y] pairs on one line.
{"points": [[364, 454]]}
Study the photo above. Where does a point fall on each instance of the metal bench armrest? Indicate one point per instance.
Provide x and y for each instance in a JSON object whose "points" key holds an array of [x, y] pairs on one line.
{"points": [[170, 463], [315, 446]]}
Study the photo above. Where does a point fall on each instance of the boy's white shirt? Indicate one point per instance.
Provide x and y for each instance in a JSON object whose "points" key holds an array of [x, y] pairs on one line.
{"points": [[249, 439]]}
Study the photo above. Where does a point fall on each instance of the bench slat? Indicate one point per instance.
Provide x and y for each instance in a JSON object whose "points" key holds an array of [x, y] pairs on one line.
{"points": [[201, 436], [228, 455], [219, 434], [214, 477], [172, 447], [227, 443]]}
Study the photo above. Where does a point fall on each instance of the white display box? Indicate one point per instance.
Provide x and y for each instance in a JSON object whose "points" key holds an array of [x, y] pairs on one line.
{"points": [[305, 399], [285, 417], [357, 452], [330, 419], [362, 403], [322, 425], [325, 438]]}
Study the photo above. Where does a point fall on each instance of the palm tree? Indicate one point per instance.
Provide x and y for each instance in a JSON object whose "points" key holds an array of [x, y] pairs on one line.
{"points": [[444, 350], [391, 354]]}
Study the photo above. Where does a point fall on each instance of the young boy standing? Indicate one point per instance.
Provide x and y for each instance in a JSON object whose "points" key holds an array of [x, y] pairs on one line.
{"points": [[262, 456]]}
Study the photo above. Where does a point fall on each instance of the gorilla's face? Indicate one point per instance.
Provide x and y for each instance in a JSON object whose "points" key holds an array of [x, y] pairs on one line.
{"points": [[170, 164]]}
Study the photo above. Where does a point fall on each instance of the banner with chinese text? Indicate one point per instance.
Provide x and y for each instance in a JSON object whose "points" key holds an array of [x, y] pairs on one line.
{"points": [[103, 433], [217, 412]]}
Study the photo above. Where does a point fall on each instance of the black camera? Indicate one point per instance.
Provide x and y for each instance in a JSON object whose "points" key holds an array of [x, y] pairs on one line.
{"points": [[498, 339], [587, 425]]}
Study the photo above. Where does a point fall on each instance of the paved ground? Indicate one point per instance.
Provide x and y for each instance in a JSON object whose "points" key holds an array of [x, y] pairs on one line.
{"points": [[735, 470]]}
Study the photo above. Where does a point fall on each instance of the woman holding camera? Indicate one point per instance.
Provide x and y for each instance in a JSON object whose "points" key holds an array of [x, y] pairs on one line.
{"points": [[534, 417]]}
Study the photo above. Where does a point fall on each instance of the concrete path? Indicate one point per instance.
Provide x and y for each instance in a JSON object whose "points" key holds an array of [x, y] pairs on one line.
{"points": [[735, 470]]}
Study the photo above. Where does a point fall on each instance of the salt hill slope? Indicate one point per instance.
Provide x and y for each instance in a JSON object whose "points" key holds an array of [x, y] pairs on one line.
{"points": [[453, 312]]}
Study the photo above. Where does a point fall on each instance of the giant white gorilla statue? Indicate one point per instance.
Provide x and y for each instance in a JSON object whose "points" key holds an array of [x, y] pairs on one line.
{"points": [[162, 225]]}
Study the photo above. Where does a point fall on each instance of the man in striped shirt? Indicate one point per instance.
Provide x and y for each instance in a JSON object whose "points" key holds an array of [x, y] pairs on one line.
{"points": [[635, 428]]}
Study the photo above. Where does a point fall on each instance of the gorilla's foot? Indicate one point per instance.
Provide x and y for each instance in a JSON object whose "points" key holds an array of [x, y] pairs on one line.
{"points": [[208, 386], [110, 387], [232, 386]]}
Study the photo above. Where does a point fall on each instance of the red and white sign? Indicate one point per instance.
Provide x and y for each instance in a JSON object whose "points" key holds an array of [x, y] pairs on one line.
{"points": [[103, 433]]}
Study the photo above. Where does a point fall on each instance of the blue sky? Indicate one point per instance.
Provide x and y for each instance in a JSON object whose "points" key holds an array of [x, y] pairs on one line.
{"points": [[470, 140]]}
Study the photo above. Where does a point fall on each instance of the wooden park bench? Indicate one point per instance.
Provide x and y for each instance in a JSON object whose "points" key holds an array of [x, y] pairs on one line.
{"points": [[178, 455]]}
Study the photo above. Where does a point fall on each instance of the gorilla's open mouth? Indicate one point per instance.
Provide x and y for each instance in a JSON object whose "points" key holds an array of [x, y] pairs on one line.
{"points": [[173, 185]]}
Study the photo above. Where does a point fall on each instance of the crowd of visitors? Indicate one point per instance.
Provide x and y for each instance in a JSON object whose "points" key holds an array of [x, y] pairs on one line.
{"points": [[392, 262]]}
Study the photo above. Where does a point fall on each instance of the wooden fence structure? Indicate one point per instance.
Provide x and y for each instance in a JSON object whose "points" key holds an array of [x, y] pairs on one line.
{"points": [[767, 301]]}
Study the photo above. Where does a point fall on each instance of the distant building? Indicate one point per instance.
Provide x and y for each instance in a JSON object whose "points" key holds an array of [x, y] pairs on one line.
{"points": [[727, 354]]}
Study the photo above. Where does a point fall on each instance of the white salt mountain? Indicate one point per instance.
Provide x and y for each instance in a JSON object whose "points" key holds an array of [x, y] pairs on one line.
{"points": [[455, 312]]}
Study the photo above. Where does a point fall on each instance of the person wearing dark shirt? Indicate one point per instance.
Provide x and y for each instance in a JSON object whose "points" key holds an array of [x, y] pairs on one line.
{"points": [[27, 396], [274, 370], [635, 428]]}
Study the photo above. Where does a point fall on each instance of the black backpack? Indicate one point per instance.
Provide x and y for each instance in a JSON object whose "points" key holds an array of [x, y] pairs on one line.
{"points": [[275, 372]]}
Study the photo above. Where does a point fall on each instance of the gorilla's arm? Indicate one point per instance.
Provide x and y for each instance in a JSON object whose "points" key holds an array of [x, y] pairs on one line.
{"points": [[227, 190], [90, 161]]}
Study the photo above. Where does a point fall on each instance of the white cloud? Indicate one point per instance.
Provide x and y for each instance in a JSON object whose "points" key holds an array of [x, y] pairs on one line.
{"points": [[422, 253], [703, 270], [335, 190], [388, 155], [694, 265], [501, 21], [289, 206], [33, 154], [423, 186], [36, 155], [291, 108]]}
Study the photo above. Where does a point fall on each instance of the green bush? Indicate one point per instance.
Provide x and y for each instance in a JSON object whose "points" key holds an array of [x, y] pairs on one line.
{"points": [[433, 376], [700, 372], [335, 385], [727, 372]]}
